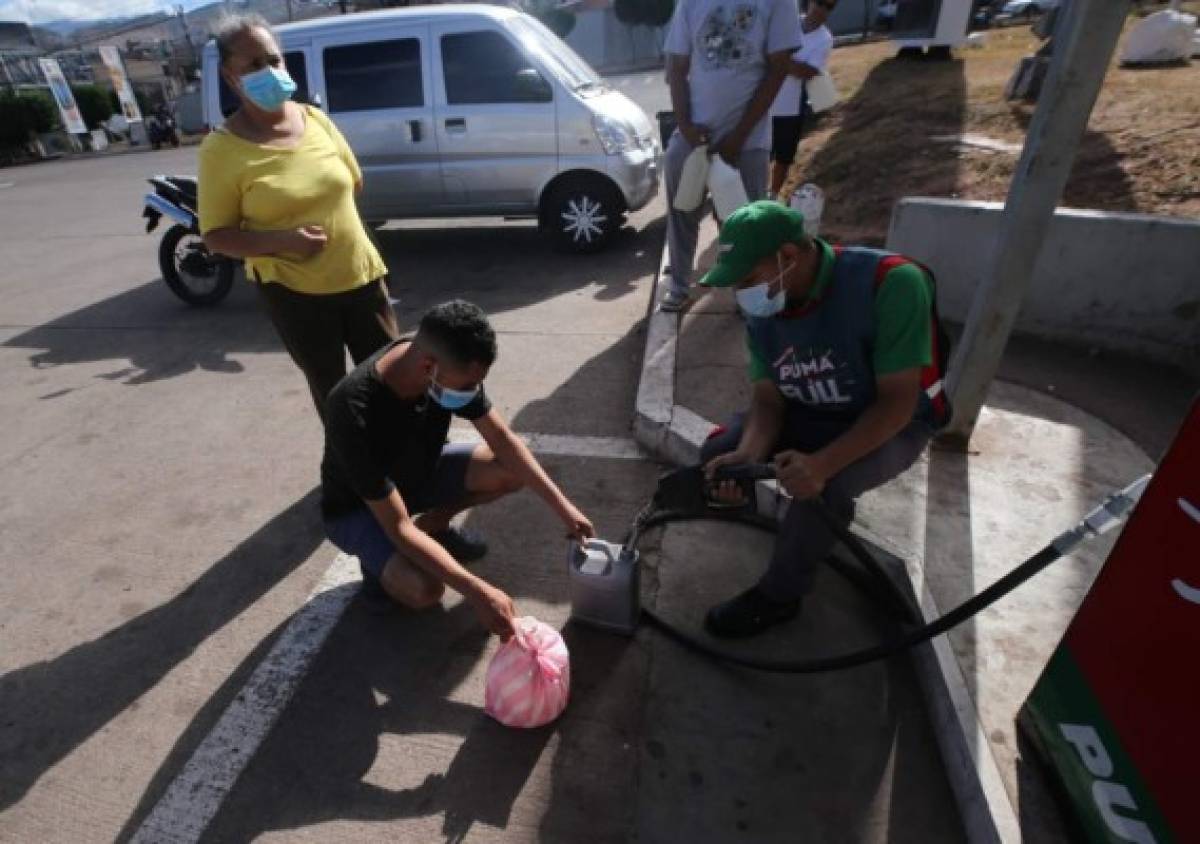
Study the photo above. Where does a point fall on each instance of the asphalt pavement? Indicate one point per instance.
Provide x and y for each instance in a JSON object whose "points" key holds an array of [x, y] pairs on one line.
{"points": [[158, 512]]}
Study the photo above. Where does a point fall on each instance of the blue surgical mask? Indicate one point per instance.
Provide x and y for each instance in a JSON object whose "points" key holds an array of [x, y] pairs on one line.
{"points": [[448, 398], [268, 88], [757, 301]]}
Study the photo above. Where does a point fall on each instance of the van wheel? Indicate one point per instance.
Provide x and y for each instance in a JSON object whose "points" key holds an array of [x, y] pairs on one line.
{"points": [[582, 215]]}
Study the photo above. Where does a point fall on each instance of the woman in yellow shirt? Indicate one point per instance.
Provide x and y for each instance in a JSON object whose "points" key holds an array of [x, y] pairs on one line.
{"points": [[276, 188]]}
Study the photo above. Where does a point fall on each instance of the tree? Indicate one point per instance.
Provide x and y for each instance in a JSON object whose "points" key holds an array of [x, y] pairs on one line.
{"points": [[654, 13], [648, 13], [659, 12], [22, 115], [143, 104], [559, 21], [41, 110], [628, 12], [94, 105]]}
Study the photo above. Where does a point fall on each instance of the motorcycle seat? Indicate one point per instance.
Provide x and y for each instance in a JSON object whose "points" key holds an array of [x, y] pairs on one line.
{"points": [[186, 185]]}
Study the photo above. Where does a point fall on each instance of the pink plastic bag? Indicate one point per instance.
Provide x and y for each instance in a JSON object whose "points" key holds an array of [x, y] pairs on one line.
{"points": [[529, 680]]}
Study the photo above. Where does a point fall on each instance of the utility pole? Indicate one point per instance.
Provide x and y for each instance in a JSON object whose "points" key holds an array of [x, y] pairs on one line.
{"points": [[289, 8], [1084, 43]]}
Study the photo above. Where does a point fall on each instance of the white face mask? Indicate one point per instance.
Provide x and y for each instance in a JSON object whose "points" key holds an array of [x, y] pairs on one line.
{"points": [[757, 301]]}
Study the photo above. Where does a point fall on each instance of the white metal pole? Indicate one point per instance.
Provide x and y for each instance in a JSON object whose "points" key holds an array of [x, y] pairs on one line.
{"points": [[1083, 46]]}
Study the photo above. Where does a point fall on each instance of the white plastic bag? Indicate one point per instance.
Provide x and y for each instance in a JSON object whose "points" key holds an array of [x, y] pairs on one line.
{"points": [[692, 180], [725, 185], [529, 679], [822, 93], [809, 200], [1162, 37]]}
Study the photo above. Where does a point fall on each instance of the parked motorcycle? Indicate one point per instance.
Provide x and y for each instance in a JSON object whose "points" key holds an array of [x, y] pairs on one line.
{"points": [[161, 128], [194, 274]]}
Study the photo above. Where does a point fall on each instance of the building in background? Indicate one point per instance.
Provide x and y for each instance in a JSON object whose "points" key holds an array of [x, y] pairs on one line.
{"points": [[19, 53]]}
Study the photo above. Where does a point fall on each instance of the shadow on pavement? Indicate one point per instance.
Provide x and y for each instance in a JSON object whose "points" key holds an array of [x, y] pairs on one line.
{"points": [[49, 708], [388, 724], [505, 267], [153, 336], [656, 745], [1097, 171]]}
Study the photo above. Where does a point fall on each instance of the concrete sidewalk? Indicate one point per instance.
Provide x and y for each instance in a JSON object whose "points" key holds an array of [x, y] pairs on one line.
{"points": [[958, 522]]}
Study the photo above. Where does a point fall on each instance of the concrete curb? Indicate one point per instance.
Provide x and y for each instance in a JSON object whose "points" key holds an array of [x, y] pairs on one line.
{"points": [[674, 433]]}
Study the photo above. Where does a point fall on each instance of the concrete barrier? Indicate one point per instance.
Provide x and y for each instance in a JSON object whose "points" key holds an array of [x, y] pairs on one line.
{"points": [[1122, 282]]}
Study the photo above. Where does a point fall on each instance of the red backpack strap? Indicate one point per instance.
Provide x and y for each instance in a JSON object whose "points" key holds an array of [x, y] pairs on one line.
{"points": [[886, 265], [931, 376]]}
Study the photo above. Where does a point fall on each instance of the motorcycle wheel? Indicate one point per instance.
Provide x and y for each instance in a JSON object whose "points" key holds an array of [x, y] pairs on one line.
{"points": [[193, 273]]}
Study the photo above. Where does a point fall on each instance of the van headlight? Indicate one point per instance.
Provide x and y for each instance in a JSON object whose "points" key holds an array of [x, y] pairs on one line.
{"points": [[615, 136]]}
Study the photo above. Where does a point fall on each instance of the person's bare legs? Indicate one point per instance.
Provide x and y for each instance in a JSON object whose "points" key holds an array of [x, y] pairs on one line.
{"points": [[486, 480], [408, 585]]}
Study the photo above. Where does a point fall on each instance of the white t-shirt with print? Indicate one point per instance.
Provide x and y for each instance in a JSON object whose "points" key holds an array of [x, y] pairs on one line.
{"points": [[814, 51], [728, 42]]}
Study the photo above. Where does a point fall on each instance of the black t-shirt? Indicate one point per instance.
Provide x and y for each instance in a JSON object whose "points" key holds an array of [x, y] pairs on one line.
{"points": [[376, 441]]}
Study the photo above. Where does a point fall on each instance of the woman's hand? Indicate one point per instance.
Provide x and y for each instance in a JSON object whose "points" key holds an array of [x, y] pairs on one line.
{"points": [[305, 241]]}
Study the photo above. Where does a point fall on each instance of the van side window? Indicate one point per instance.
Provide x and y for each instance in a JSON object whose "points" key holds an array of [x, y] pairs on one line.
{"points": [[297, 68], [379, 74], [482, 67]]}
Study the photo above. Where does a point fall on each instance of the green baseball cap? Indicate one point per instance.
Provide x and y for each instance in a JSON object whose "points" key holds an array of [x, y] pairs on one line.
{"points": [[750, 234]]}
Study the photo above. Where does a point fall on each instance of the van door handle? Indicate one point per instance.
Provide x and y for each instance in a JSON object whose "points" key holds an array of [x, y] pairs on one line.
{"points": [[456, 125], [414, 129]]}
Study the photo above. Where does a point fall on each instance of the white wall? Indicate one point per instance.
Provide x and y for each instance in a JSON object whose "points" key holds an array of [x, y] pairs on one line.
{"points": [[1125, 282], [608, 44]]}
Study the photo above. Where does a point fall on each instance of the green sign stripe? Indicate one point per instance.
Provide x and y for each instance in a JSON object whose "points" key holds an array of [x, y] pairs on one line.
{"points": [[1062, 696]]}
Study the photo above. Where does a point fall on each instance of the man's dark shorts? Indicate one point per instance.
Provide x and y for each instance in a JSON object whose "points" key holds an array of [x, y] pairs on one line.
{"points": [[359, 532], [785, 137]]}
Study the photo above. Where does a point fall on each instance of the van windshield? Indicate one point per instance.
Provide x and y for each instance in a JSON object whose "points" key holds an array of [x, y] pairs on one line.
{"points": [[566, 64]]}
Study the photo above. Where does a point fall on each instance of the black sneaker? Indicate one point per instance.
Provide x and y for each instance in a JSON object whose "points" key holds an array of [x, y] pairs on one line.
{"points": [[749, 614], [466, 546]]}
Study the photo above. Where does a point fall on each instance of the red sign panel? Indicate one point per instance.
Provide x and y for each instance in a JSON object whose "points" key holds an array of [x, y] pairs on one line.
{"points": [[1117, 711]]}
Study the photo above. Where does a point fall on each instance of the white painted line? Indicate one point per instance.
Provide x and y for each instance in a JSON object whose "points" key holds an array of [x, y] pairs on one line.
{"points": [[6, 184], [559, 445], [196, 794], [192, 800]]}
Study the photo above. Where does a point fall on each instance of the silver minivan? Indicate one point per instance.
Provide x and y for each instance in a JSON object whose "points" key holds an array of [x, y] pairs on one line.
{"points": [[470, 110]]}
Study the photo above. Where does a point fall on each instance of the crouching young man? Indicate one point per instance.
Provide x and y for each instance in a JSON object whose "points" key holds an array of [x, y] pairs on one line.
{"points": [[390, 483], [846, 387]]}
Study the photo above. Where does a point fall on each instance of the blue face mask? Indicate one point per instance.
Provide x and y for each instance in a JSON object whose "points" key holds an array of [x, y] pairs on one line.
{"points": [[757, 301], [268, 88], [448, 398]]}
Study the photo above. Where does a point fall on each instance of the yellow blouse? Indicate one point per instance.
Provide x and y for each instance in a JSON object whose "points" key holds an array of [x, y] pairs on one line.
{"points": [[259, 188]]}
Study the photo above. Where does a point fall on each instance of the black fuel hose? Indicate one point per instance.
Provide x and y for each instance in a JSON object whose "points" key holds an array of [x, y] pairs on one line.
{"points": [[1105, 517]]}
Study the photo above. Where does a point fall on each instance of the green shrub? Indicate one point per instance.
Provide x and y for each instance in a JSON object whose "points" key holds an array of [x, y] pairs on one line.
{"points": [[23, 114], [558, 21], [43, 113], [644, 12], [93, 104]]}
